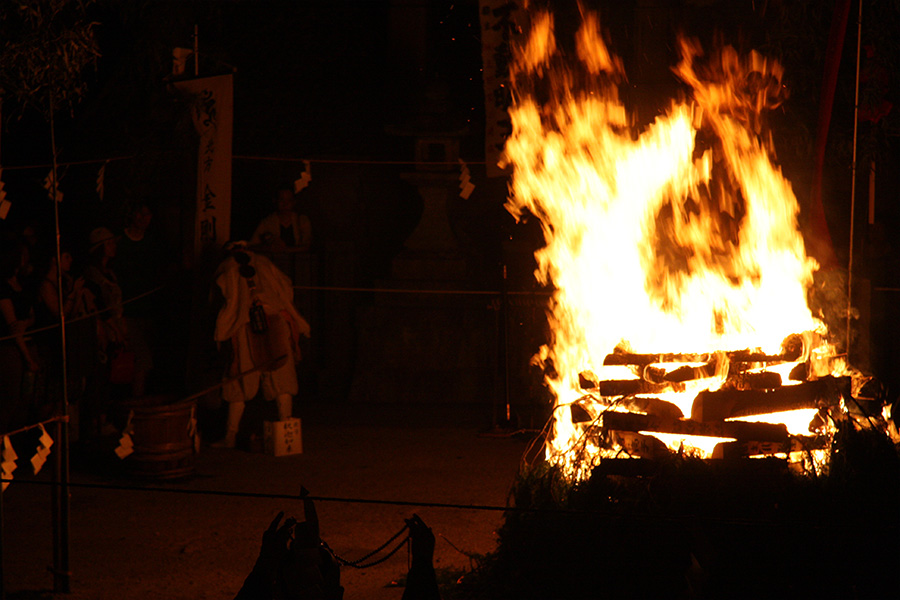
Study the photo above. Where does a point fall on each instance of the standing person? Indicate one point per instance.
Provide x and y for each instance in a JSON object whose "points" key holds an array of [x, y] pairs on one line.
{"points": [[104, 285], [259, 321], [138, 266], [102, 282], [284, 228], [48, 294], [18, 355], [81, 338]]}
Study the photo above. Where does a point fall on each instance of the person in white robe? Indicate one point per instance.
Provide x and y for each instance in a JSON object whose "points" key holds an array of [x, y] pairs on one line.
{"points": [[260, 322]]}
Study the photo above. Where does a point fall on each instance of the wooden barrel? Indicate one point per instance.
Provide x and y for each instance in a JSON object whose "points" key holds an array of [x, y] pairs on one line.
{"points": [[163, 432]]}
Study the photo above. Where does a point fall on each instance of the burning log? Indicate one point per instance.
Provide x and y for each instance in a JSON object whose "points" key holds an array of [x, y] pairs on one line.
{"points": [[642, 360], [637, 444], [679, 375], [739, 430], [791, 350], [726, 403], [652, 406], [629, 387], [739, 356], [765, 380], [800, 372], [744, 449], [636, 404], [579, 414], [732, 450], [626, 429], [626, 387]]}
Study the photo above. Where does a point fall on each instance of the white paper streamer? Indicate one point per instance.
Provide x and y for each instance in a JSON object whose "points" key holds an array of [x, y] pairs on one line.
{"points": [[126, 444], [305, 178], [8, 464], [48, 185], [466, 187], [42, 452]]}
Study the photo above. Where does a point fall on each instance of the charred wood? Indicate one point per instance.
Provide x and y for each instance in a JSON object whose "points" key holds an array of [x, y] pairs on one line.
{"points": [[679, 375], [579, 413], [743, 449], [792, 347], [638, 444], [587, 380], [740, 430], [739, 356], [652, 406], [629, 387], [791, 350], [800, 372], [626, 387], [765, 380], [732, 450], [627, 358], [723, 404]]}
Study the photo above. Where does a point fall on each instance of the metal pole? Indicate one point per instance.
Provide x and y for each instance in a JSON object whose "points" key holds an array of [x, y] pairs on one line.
{"points": [[61, 493], [505, 309], [2, 589], [853, 177]]}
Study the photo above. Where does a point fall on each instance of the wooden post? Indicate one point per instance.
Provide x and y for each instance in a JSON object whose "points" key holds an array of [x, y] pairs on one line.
{"points": [[61, 461]]}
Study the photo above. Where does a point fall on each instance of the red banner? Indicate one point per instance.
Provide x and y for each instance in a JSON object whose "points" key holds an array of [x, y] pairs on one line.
{"points": [[820, 245]]}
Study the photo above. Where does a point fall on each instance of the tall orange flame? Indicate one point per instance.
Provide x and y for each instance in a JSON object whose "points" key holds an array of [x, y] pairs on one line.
{"points": [[680, 237]]}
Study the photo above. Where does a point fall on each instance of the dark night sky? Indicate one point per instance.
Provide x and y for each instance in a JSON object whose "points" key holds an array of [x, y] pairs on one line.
{"points": [[311, 78], [323, 78]]}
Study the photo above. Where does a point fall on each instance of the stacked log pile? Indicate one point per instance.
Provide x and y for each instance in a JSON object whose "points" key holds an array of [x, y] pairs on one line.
{"points": [[749, 390]]}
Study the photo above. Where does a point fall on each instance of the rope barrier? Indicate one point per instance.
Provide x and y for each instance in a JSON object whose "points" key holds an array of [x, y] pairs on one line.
{"points": [[329, 161], [61, 418], [315, 288], [406, 503], [232, 494], [46, 328], [90, 161]]}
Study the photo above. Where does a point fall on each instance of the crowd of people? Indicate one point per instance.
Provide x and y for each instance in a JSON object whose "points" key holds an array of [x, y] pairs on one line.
{"points": [[104, 289], [103, 279], [113, 316]]}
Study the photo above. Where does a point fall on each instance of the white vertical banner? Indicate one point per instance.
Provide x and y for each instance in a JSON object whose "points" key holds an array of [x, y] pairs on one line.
{"points": [[213, 114], [499, 26]]}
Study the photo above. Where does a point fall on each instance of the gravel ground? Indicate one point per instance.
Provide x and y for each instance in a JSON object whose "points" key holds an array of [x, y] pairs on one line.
{"points": [[155, 545]]}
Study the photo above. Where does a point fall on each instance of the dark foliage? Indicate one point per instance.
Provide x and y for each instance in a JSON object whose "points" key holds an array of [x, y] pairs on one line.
{"points": [[704, 529]]}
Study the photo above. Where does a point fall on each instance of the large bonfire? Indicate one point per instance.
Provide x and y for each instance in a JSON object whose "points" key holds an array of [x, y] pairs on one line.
{"points": [[680, 237]]}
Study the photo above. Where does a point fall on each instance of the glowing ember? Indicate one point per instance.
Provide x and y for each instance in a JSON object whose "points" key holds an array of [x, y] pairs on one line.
{"points": [[680, 237]]}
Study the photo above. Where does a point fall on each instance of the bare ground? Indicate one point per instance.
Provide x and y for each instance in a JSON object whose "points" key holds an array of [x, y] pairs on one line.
{"points": [[155, 545]]}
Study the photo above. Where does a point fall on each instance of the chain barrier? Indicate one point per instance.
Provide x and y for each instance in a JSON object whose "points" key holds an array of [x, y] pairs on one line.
{"points": [[360, 562]]}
